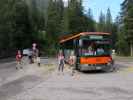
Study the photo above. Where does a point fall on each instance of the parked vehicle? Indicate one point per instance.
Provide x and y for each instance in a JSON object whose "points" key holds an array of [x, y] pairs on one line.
{"points": [[26, 52], [92, 50]]}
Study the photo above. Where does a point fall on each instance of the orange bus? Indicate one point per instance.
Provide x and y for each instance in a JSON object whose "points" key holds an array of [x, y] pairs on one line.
{"points": [[92, 50]]}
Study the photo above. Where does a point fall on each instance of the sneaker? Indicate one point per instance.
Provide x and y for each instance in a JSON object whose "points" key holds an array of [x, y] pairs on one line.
{"points": [[72, 74], [39, 65]]}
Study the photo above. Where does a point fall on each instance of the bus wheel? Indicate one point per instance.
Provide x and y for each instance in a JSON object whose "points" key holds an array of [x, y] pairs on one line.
{"points": [[109, 68], [79, 68]]}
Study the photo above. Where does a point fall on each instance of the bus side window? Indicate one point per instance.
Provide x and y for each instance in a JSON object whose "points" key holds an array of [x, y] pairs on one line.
{"points": [[100, 51]]}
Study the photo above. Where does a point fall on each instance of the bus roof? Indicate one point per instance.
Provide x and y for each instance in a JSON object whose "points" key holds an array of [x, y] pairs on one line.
{"points": [[74, 36]]}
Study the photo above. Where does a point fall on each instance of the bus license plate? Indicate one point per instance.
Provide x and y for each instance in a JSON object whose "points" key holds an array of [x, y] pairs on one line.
{"points": [[98, 68]]}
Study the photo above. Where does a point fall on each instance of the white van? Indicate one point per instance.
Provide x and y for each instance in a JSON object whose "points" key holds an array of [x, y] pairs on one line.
{"points": [[26, 52]]}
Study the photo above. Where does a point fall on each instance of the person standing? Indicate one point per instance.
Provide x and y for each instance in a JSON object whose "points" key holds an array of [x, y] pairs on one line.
{"points": [[61, 62], [72, 61], [38, 60], [34, 52], [19, 59]]}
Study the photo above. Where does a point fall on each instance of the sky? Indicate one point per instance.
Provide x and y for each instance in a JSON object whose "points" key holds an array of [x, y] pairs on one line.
{"points": [[102, 5]]}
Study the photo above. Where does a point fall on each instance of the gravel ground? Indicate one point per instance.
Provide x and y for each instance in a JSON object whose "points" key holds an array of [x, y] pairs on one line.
{"points": [[63, 86]]}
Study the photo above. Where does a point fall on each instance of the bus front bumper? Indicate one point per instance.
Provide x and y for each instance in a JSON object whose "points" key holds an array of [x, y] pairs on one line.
{"points": [[86, 67]]}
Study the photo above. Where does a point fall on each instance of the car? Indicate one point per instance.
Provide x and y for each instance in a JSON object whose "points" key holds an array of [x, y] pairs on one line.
{"points": [[26, 52]]}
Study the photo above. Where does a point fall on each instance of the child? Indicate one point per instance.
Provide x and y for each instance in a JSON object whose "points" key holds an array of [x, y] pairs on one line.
{"points": [[72, 61], [18, 59]]}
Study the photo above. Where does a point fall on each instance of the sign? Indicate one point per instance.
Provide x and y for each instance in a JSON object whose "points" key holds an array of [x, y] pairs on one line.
{"points": [[96, 37], [103, 42]]}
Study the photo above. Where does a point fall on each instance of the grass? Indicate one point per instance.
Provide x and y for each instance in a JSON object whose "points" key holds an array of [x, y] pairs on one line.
{"points": [[123, 58]]}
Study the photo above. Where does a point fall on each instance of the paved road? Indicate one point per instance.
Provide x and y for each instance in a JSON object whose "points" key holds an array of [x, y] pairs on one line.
{"points": [[32, 85]]}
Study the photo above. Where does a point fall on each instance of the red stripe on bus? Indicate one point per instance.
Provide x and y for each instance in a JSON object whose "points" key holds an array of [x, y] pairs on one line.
{"points": [[94, 60]]}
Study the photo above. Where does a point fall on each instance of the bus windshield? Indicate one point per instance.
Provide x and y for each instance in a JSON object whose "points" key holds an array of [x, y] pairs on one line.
{"points": [[94, 48]]}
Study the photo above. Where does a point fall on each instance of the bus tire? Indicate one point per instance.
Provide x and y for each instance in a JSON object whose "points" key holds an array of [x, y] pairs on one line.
{"points": [[108, 69]]}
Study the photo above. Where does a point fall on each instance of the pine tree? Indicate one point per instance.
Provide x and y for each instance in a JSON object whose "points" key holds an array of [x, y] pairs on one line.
{"points": [[53, 29], [6, 22], [22, 28], [108, 22], [75, 14], [111, 27], [127, 13], [91, 22], [65, 22], [14, 26], [37, 22], [101, 24]]}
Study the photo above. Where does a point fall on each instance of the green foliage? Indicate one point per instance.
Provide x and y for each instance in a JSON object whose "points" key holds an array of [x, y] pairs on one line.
{"points": [[65, 22], [22, 25], [126, 28], [75, 21], [17, 26], [14, 25], [108, 22], [107, 25], [122, 44], [128, 21], [53, 27], [101, 24], [90, 21]]}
